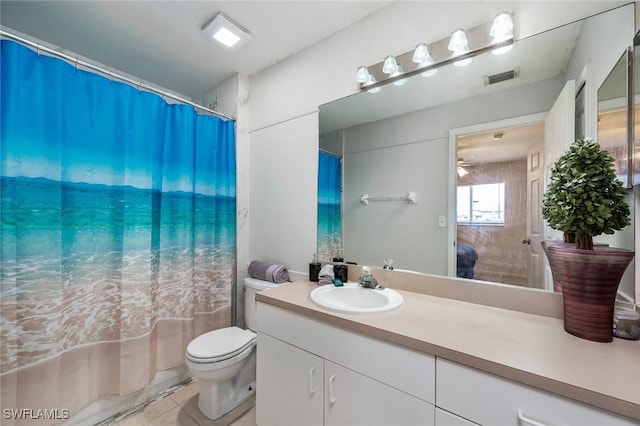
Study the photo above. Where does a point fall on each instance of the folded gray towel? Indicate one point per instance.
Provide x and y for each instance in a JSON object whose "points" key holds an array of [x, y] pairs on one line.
{"points": [[267, 271]]}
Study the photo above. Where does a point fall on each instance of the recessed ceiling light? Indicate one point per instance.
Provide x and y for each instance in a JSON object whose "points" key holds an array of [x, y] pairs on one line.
{"points": [[226, 32]]}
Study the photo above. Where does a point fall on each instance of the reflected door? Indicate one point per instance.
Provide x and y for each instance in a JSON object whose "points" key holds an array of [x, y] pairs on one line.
{"points": [[559, 133], [535, 223]]}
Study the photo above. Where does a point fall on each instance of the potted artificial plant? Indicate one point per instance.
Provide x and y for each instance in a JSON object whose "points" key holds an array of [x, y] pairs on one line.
{"points": [[584, 199]]}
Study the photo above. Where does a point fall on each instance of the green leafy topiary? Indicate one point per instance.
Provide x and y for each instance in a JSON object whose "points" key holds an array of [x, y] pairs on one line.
{"points": [[584, 197]]}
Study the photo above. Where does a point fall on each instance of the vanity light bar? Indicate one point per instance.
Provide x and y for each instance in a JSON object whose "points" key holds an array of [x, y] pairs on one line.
{"points": [[479, 41]]}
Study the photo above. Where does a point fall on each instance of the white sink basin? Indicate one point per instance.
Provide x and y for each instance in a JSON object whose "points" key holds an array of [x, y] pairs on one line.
{"points": [[353, 299]]}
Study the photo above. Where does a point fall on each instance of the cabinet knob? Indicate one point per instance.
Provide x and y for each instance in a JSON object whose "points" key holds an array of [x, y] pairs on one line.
{"points": [[526, 241]]}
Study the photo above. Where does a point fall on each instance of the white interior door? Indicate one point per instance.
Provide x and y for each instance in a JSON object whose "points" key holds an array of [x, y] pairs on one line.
{"points": [[535, 223], [559, 134]]}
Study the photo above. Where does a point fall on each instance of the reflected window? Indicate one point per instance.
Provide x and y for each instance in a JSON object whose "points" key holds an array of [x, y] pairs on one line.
{"points": [[481, 204]]}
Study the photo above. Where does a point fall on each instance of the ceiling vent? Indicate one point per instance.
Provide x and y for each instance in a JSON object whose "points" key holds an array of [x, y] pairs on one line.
{"points": [[503, 76]]}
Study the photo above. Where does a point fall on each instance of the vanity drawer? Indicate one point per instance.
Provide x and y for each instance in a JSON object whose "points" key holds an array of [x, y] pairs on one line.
{"points": [[491, 400], [405, 369]]}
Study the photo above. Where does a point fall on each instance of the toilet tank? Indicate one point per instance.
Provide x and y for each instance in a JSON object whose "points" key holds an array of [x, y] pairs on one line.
{"points": [[252, 286]]}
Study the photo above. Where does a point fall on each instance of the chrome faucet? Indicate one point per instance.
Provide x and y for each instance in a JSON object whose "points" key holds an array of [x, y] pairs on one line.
{"points": [[367, 280]]}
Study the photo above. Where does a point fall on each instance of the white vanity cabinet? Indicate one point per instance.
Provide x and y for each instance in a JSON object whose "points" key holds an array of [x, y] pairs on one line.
{"points": [[311, 373], [355, 399], [445, 418], [291, 383], [487, 399]]}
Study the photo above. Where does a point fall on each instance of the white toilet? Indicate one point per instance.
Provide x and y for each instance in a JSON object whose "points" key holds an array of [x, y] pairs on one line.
{"points": [[224, 360]]}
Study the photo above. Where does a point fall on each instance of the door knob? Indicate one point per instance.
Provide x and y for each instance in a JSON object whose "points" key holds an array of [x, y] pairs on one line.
{"points": [[526, 241]]}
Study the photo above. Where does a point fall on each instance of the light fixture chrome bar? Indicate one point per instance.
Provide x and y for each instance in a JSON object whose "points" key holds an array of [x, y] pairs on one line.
{"points": [[110, 74], [479, 40]]}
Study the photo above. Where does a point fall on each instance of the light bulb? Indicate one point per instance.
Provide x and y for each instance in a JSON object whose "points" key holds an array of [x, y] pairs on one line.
{"points": [[421, 54], [502, 27], [390, 65], [362, 74], [459, 46], [458, 42], [501, 30]]}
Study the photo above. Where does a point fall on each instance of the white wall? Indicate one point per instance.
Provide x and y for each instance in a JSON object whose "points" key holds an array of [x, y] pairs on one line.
{"points": [[284, 94], [283, 193]]}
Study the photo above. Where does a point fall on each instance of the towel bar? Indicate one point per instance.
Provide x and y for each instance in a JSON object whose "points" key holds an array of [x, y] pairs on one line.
{"points": [[409, 198]]}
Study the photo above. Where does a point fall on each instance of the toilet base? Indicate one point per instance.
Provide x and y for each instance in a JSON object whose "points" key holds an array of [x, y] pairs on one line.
{"points": [[218, 398]]}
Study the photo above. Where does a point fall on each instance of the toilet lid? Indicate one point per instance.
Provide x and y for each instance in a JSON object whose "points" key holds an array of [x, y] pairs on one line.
{"points": [[220, 344]]}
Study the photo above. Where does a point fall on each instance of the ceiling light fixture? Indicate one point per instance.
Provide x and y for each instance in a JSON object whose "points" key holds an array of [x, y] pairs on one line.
{"points": [[426, 58], [226, 32]]}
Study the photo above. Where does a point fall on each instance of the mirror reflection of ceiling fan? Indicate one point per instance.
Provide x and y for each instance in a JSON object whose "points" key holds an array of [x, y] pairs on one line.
{"points": [[462, 163]]}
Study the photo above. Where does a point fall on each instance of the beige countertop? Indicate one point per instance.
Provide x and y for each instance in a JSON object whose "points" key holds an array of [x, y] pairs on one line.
{"points": [[527, 348]]}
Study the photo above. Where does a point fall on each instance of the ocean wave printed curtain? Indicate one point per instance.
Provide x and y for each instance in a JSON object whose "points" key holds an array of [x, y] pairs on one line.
{"points": [[329, 225], [117, 231]]}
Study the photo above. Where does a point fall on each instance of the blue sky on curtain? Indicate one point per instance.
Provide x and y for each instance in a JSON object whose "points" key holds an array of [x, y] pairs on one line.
{"points": [[329, 195], [118, 232]]}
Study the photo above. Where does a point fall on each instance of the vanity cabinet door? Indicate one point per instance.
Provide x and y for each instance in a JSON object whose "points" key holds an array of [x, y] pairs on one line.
{"points": [[355, 399], [445, 418], [491, 400], [289, 385]]}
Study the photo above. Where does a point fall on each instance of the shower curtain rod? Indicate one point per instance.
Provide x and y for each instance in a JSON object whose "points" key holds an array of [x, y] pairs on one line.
{"points": [[111, 74]]}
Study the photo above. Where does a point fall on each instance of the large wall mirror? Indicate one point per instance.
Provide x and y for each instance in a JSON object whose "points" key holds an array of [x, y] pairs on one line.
{"points": [[467, 130], [615, 134]]}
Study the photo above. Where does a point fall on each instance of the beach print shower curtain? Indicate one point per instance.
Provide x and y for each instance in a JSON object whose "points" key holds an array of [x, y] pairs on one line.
{"points": [[329, 226], [117, 231]]}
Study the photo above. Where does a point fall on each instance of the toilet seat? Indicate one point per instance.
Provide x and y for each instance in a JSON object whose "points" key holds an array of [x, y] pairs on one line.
{"points": [[219, 345]]}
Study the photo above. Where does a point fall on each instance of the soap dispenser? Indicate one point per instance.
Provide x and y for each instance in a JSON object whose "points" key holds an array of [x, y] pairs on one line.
{"points": [[314, 269]]}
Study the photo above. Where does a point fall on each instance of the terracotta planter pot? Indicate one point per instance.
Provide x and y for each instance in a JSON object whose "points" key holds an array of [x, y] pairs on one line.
{"points": [[589, 282]]}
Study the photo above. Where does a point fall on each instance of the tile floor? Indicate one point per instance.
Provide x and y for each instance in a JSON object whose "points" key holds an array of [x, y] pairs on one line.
{"points": [[181, 409]]}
